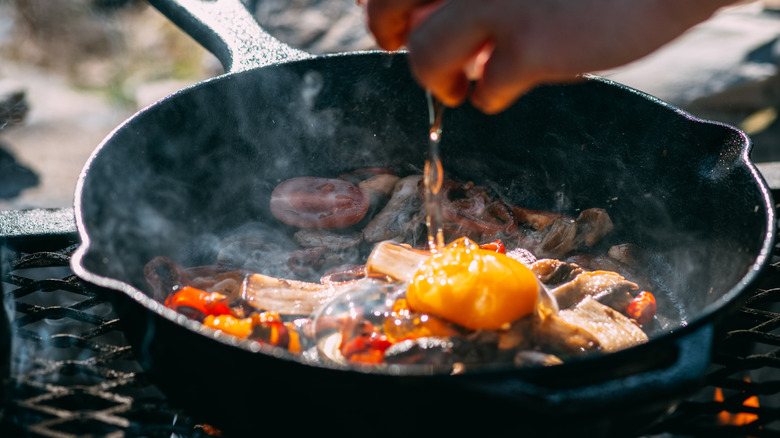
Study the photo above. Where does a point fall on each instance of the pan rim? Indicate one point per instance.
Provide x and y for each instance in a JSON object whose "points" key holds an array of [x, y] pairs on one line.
{"points": [[703, 317]]}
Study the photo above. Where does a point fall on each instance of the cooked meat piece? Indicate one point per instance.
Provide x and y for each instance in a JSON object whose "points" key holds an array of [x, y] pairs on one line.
{"points": [[547, 333], [473, 211], [554, 272], [310, 238], [598, 284], [604, 263], [316, 202], [403, 218], [616, 299], [288, 297], [613, 330], [559, 238], [592, 262], [627, 253], [379, 188], [592, 225], [555, 335], [535, 219], [564, 234], [522, 255]]}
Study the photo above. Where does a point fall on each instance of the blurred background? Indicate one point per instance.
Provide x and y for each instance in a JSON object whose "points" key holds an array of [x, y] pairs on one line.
{"points": [[72, 70]]}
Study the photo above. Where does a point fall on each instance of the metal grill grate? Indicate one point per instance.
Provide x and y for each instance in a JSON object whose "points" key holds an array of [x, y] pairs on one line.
{"points": [[742, 395], [75, 376]]}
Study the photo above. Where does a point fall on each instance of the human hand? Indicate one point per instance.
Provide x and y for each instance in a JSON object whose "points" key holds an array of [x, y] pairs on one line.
{"points": [[524, 42]]}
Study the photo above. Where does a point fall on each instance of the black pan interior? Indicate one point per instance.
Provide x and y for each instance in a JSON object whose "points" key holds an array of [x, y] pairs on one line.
{"points": [[195, 167]]}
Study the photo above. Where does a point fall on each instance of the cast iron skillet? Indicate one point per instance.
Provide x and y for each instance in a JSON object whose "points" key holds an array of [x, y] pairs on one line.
{"points": [[198, 165]]}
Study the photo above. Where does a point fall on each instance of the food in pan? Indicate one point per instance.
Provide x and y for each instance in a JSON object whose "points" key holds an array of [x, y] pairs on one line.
{"points": [[517, 286]]}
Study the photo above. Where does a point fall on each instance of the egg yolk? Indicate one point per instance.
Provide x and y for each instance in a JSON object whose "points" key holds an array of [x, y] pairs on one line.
{"points": [[473, 287]]}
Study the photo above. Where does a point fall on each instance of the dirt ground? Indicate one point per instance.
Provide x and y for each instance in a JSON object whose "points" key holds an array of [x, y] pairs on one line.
{"points": [[84, 66]]}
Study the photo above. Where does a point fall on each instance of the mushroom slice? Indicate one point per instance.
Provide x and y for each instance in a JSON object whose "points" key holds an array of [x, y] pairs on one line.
{"points": [[400, 219], [559, 238], [598, 284], [554, 272], [394, 260], [288, 297], [536, 219], [613, 330], [592, 225]]}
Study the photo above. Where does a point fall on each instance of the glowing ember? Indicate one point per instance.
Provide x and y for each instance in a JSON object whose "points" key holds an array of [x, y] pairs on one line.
{"points": [[739, 418]]}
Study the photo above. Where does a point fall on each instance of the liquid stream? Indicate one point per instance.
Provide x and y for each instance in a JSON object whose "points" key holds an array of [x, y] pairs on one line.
{"points": [[433, 176]]}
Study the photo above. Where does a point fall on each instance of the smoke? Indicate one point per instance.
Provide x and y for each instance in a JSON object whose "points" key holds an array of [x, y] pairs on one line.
{"points": [[190, 178], [5, 338]]}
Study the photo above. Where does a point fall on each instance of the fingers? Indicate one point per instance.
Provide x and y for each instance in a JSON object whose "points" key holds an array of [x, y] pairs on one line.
{"points": [[532, 41], [445, 36], [443, 46], [504, 79], [508, 75], [390, 20]]}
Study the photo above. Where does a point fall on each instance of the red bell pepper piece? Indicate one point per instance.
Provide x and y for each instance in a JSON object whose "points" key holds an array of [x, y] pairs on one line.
{"points": [[367, 349], [208, 303], [495, 245], [642, 308]]}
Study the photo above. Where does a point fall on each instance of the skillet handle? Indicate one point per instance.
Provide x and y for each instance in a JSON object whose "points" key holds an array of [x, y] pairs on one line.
{"points": [[227, 30]]}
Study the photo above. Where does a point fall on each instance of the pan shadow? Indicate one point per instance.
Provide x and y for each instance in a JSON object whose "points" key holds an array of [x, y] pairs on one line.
{"points": [[14, 177]]}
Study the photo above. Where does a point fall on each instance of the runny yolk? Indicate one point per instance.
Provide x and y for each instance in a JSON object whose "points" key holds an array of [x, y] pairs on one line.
{"points": [[473, 287]]}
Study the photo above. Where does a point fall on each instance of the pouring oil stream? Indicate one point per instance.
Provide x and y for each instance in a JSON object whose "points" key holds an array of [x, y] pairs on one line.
{"points": [[433, 175]]}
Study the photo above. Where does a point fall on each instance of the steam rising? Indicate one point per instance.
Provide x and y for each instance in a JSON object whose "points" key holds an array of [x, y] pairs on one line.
{"points": [[190, 179]]}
